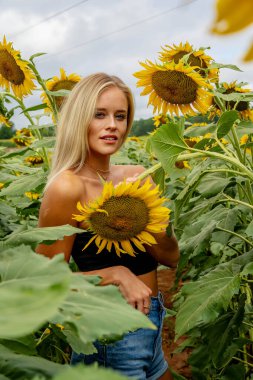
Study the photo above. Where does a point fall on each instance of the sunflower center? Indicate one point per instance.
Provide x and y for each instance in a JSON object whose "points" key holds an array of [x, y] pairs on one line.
{"points": [[62, 85], [127, 217], [192, 61], [9, 68], [174, 87]]}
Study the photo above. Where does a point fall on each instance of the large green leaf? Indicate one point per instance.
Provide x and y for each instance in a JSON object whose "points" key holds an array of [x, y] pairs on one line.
{"points": [[91, 312], [93, 372], [207, 297], [23, 367], [226, 122], [24, 183], [33, 236], [167, 144], [32, 287], [222, 336]]}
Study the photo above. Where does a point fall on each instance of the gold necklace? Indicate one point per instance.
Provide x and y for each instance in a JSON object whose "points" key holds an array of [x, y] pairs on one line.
{"points": [[101, 173]]}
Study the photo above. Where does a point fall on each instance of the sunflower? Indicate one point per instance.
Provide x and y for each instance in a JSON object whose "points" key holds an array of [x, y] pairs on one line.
{"points": [[65, 82], [14, 72], [34, 160], [32, 196], [229, 18], [1, 185], [112, 224], [160, 119], [196, 58], [4, 120], [242, 107], [174, 87], [23, 137]]}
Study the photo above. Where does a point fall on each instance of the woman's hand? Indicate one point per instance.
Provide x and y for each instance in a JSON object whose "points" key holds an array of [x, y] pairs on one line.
{"points": [[133, 290]]}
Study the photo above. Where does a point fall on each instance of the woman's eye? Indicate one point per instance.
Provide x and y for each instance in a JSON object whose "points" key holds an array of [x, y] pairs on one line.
{"points": [[99, 115], [121, 116]]}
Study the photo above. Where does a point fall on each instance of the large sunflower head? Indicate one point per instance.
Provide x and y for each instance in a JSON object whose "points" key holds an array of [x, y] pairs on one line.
{"points": [[174, 87], [196, 58], [14, 72], [112, 224], [64, 82]]}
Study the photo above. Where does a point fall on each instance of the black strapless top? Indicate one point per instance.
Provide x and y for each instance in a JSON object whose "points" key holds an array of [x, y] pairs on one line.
{"points": [[88, 259]]}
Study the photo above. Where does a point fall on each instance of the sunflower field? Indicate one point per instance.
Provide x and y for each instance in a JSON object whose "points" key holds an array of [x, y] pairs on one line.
{"points": [[200, 155]]}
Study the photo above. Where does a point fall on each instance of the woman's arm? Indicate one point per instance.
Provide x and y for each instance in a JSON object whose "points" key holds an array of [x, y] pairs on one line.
{"points": [[166, 251]]}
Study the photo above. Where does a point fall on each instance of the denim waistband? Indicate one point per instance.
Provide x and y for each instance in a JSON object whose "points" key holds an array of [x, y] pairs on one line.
{"points": [[157, 302]]}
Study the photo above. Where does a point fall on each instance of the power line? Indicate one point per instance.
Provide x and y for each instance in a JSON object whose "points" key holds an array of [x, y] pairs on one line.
{"points": [[119, 30], [48, 18]]}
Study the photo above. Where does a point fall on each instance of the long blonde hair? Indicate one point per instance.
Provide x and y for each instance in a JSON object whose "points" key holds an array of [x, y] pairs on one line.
{"points": [[75, 117]]}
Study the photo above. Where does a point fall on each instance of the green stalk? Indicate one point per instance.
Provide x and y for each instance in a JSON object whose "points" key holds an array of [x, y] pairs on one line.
{"points": [[36, 131], [229, 199], [237, 143], [222, 146], [242, 361], [42, 83], [235, 234], [196, 153]]}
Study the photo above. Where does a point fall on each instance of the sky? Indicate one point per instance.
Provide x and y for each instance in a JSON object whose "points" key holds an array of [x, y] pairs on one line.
{"points": [[113, 36]]}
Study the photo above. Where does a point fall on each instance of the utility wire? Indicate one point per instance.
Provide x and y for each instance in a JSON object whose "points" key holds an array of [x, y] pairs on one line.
{"points": [[48, 18], [119, 30]]}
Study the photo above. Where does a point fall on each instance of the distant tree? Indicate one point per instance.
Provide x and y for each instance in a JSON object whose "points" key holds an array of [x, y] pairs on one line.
{"points": [[6, 132], [142, 127]]}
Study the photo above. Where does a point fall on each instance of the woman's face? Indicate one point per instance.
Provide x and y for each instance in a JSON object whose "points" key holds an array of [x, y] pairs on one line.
{"points": [[109, 124]]}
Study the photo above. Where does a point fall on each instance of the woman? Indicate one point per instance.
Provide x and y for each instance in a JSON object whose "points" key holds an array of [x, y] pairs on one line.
{"points": [[94, 122]]}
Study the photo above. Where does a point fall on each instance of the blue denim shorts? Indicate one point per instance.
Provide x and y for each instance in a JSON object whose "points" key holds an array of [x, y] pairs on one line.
{"points": [[139, 354]]}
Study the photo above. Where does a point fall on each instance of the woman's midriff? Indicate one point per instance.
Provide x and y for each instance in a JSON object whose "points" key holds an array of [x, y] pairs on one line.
{"points": [[150, 279]]}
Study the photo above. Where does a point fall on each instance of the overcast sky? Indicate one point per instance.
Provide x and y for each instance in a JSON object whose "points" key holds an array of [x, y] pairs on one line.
{"points": [[113, 35]]}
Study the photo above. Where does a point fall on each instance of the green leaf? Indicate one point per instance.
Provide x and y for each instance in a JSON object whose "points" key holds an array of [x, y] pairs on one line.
{"points": [[24, 367], [46, 142], [222, 335], [16, 152], [248, 269], [35, 108], [24, 345], [217, 65], [207, 297], [24, 183], [32, 288], [46, 235], [159, 177], [93, 312], [36, 55], [212, 184], [249, 229], [198, 241], [91, 372], [226, 122], [167, 144], [58, 93]]}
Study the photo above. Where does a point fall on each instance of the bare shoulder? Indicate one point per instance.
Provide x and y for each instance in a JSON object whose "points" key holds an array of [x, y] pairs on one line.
{"points": [[66, 186], [60, 199]]}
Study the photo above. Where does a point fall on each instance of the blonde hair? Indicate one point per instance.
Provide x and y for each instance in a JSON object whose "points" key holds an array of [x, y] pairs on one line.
{"points": [[75, 117]]}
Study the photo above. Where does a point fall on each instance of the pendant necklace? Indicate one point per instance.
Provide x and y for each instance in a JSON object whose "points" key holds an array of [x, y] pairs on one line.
{"points": [[101, 173]]}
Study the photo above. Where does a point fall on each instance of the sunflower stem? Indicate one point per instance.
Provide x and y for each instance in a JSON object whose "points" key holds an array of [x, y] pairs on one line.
{"points": [[42, 83], [237, 143], [235, 162], [229, 199], [149, 171], [235, 234]]}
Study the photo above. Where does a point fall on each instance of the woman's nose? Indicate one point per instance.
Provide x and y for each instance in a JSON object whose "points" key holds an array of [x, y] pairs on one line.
{"points": [[112, 123]]}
